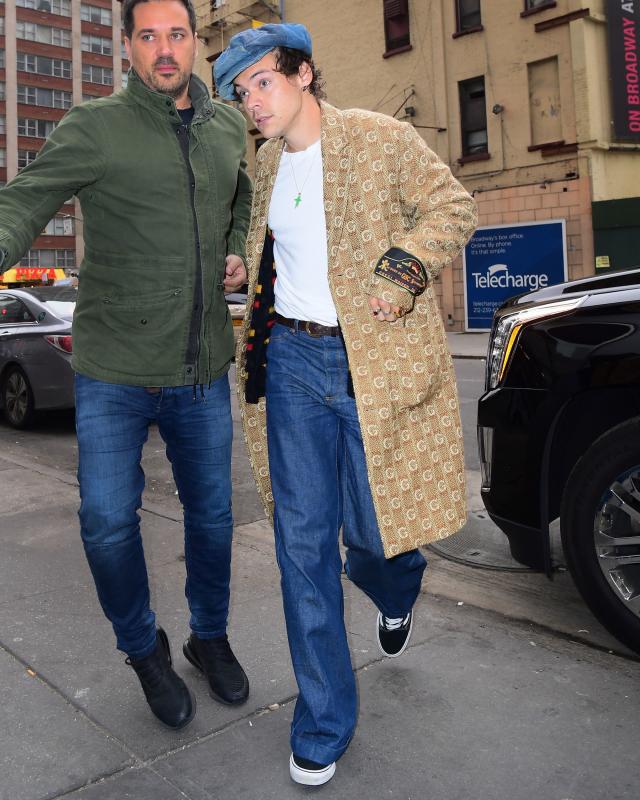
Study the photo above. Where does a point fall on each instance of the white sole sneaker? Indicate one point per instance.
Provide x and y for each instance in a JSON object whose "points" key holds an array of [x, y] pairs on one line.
{"points": [[311, 777], [406, 641]]}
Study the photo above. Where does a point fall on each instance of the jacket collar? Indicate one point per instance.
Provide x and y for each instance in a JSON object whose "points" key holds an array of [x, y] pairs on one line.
{"points": [[138, 91], [336, 168]]}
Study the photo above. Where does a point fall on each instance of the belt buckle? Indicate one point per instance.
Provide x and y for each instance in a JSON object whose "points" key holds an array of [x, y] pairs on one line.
{"points": [[307, 330]]}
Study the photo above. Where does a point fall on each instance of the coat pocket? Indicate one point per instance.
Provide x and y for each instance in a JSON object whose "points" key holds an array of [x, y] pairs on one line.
{"points": [[416, 368]]}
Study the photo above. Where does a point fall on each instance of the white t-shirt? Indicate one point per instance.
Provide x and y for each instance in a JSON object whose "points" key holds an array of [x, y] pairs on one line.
{"points": [[300, 233]]}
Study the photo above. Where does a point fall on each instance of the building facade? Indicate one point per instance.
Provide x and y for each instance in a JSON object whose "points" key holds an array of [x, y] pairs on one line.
{"points": [[53, 55], [517, 96]]}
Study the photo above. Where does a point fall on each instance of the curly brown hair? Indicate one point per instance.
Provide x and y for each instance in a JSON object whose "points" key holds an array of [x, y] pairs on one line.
{"points": [[289, 61]]}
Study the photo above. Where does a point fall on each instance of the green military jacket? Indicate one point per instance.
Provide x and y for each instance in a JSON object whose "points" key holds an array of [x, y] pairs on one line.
{"points": [[121, 156]]}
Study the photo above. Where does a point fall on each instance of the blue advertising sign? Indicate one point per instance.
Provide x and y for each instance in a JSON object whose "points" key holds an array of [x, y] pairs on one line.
{"points": [[504, 260]]}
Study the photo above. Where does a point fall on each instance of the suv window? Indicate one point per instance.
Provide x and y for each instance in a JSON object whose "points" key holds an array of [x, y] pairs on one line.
{"points": [[13, 310]]}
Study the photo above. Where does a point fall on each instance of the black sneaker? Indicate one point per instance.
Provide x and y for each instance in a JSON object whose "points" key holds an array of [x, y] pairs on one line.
{"points": [[167, 694], [227, 680], [393, 634], [309, 773]]}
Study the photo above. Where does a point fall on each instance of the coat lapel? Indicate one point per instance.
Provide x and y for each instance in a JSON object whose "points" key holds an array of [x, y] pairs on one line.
{"points": [[336, 166], [263, 189]]}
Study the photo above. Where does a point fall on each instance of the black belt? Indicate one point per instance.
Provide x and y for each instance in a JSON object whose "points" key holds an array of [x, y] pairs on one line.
{"points": [[312, 328]]}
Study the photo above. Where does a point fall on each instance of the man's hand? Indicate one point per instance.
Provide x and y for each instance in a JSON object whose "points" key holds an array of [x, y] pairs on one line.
{"points": [[384, 311], [235, 273]]}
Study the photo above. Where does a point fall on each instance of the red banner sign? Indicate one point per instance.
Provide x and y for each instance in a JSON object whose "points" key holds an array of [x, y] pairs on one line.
{"points": [[34, 273], [623, 20]]}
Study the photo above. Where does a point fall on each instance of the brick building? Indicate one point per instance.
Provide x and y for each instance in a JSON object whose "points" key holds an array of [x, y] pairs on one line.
{"points": [[53, 54], [517, 96]]}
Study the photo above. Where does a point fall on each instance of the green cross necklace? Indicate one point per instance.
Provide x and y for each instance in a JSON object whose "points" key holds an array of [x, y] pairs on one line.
{"points": [[298, 198]]}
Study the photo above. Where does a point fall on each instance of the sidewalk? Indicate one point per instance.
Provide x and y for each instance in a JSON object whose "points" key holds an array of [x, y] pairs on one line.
{"points": [[468, 345], [476, 707]]}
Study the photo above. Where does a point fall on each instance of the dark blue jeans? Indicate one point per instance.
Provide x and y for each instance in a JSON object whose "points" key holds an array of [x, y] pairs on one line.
{"points": [[112, 423], [320, 484]]}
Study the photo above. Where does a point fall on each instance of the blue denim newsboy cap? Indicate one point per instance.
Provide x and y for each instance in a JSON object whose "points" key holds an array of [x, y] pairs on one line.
{"points": [[247, 47]]}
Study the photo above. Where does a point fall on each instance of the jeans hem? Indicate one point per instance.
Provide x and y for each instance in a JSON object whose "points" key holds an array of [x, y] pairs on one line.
{"points": [[209, 634], [138, 655], [321, 754]]}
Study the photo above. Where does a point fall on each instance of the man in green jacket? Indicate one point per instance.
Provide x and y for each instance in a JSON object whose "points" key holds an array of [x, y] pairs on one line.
{"points": [[159, 172]]}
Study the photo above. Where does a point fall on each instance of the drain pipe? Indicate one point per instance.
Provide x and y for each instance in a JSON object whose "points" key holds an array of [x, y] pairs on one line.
{"points": [[281, 10]]}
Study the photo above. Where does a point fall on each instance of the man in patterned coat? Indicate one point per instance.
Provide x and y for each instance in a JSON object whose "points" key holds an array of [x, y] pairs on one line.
{"points": [[346, 384]]}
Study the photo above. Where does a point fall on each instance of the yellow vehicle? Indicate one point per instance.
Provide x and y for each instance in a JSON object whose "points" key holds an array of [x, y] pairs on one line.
{"points": [[18, 277]]}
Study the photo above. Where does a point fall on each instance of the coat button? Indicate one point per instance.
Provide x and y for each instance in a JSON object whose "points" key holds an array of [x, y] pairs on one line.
{"points": [[143, 321]]}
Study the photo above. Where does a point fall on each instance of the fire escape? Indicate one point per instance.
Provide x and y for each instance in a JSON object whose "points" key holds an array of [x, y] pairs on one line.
{"points": [[218, 20]]}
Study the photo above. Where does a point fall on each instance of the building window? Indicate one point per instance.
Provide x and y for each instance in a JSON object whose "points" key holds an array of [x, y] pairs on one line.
{"points": [[3, 157], [101, 16], [42, 65], [468, 16], [545, 105], [3, 125], [473, 117], [125, 80], [49, 258], [2, 25], [529, 5], [26, 157], [36, 128], [1, 59], [96, 44], [60, 226], [93, 74], [2, 97], [60, 7], [396, 25], [35, 96], [61, 37]]}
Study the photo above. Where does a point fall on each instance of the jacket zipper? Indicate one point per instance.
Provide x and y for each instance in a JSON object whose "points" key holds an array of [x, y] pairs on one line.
{"points": [[198, 313]]}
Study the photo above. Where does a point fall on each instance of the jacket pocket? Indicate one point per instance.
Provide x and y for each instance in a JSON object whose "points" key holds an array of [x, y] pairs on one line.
{"points": [[143, 336], [146, 314]]}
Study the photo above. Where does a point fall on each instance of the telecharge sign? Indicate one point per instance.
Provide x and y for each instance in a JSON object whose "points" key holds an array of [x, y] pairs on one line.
{"points": [[505, 260]]}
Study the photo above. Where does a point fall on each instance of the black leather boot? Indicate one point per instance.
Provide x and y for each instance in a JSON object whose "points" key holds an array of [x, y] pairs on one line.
{"points": [[167, 694], [214, 657]]}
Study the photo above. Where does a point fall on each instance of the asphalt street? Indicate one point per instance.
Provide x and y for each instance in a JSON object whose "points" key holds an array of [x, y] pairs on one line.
{"points": [[510, 688]]}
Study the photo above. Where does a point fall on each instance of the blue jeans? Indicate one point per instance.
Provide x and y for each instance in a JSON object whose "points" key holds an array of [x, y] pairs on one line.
{"points": [[319, 478], [112, 422]]}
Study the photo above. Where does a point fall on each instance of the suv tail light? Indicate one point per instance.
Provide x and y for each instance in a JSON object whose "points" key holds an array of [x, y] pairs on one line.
{"points": [[60, 343]]}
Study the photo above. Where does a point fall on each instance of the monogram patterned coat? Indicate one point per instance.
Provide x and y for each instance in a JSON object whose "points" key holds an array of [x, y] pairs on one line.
{"points": [[383, 188]]}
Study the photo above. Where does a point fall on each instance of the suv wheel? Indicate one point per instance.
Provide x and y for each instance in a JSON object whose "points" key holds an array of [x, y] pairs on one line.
{"points": [[600, 527], [17, 398]]}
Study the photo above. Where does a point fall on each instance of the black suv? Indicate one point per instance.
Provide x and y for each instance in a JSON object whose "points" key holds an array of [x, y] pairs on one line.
{"points": [[559, 436]]}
